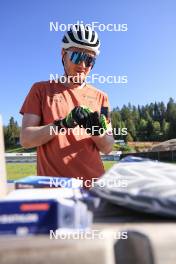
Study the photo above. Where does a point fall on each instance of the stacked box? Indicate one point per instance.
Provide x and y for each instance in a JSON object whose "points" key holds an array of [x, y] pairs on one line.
{"points": [[37, 212]]}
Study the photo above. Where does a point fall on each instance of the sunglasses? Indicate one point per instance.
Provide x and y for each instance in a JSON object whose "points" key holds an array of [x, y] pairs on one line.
{"points": [[76, 57]]}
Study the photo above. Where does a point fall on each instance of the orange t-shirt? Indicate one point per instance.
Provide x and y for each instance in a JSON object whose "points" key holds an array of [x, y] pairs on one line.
{"points": [[67, 155]]}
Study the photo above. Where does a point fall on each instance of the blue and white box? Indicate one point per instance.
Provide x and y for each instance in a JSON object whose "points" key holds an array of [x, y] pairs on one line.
{"points": [[41, 210]]}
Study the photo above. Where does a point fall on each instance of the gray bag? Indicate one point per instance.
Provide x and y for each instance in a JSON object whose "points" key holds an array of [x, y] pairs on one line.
{"points": [[146, 186]]}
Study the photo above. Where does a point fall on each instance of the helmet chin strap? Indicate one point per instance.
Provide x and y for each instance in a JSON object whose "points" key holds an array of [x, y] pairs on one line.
{"points": [[66, 74]]}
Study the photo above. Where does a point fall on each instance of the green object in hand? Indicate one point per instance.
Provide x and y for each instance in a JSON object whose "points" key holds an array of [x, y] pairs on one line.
{"points": [[84, 117], [103, 122]]}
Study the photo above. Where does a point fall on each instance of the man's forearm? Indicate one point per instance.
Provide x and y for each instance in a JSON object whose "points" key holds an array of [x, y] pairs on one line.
{"points": [[36, 136], [104, 143]]}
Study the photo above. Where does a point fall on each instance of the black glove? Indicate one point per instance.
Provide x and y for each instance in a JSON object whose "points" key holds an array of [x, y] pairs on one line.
{"points": [[67, 122], [81, 115], [78, 116], [94, 123]]}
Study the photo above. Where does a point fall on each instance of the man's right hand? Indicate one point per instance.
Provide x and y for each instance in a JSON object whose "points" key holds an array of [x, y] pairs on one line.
{"points": [[84, 117]]}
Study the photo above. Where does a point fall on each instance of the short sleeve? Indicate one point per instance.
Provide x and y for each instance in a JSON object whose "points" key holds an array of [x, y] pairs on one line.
{"points": [[32, 103]]}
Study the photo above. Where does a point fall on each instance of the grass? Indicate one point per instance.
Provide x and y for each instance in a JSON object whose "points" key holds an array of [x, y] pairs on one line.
{"points": [[108, 164], [19, 170], [19, 149]]}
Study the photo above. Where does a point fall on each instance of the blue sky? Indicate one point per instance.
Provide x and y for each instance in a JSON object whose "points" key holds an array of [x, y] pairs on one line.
{"points": [[146, 53]]}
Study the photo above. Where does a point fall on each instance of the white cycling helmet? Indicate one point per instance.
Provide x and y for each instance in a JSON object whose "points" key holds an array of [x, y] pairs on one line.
{"points": [[81, 36]]}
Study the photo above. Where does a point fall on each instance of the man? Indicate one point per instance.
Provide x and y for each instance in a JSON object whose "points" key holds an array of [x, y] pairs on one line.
{"points": [[70, 105]]}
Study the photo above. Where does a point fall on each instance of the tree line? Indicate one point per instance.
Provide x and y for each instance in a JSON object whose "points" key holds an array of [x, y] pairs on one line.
{"points": [[150, 122]]}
